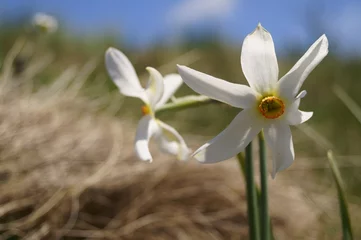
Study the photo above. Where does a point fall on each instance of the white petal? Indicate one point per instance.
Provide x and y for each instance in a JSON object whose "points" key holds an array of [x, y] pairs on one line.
{"points": [[259, 61], [236, 95], [170, 141], [147, 127], [296, 102], [123, 74], [293, 115], [171, 84], [298, 117], [279, 139], [155, 87], [302, 94], [290, 84], [232, 140]]}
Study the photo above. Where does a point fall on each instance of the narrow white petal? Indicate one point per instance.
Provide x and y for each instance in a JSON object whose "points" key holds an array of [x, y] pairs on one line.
{"points": [[302, 94], [259, 61], [232, 140], [147, 127], [123, 74], [290, 84], [171, 142], [279, 139], [236, 95], [155, 87], [298, 117], [293, 115], [171, 84]]}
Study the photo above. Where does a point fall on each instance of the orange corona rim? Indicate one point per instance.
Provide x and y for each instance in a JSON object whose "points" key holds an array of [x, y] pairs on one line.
{"points": [[271, 107]]}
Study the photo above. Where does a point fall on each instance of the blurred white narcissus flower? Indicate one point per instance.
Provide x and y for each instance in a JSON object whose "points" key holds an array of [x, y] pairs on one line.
{"points": [[45, 22], [157, 93], [267, 104]]}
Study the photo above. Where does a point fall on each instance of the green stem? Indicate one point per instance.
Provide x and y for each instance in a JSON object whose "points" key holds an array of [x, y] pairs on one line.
{"points": [[242, 164], [252, 204], [185, 103], [265, 220], [345, 217]]}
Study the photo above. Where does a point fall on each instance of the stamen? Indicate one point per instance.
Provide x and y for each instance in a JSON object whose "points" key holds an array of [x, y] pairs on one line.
{"points": [[145, 110], [271, 107]]}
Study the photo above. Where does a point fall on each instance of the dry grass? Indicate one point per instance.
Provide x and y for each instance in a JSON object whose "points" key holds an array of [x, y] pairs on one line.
{"points": [[68, 172]]}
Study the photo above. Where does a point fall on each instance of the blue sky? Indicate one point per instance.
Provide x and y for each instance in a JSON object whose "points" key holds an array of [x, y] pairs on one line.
{"points": [[142, 22]]}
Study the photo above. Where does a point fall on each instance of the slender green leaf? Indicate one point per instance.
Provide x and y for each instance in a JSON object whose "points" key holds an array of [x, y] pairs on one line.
{"points": [[345, 217], [348, 101]]}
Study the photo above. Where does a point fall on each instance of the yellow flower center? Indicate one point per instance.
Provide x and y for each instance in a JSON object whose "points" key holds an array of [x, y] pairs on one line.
{"points": [[145, 110], [271, 107]]}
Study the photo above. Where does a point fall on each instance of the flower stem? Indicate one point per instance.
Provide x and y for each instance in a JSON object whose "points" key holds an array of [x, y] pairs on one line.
{"points": [[242, 164], [185, 103], [345, 217], [252, 204], [265, 219]]}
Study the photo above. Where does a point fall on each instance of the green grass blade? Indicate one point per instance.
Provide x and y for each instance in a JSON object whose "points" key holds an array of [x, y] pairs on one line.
{"points": [[349, 103], [345, 217]]}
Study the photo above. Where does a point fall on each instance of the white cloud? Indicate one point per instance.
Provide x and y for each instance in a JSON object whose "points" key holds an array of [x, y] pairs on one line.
{"points": [[189, 12]]}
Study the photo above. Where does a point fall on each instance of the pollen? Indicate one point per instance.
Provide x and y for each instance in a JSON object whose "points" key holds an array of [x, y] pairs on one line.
{"points": [[145, 110], [271, 107]]}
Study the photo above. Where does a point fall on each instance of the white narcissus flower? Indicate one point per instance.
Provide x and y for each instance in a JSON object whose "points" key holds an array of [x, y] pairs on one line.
{"points": [[267, 104], [154, 96], [45, 22]]}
